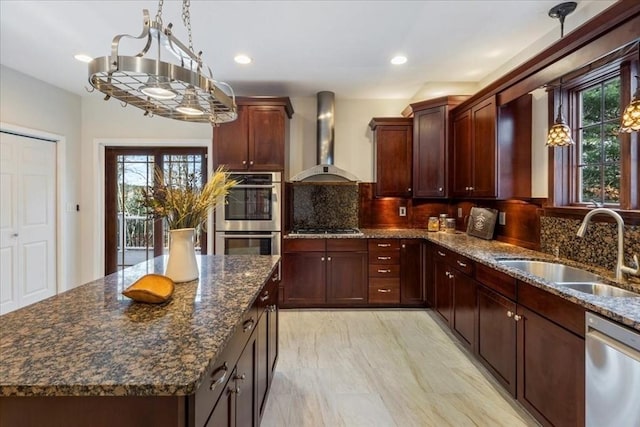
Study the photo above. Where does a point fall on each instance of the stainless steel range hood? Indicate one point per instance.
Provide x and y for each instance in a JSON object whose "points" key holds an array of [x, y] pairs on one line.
{"points": [[325, 171]]}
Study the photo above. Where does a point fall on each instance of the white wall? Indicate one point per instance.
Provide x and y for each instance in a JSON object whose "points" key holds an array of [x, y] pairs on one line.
{"points": [[32, 104], [353, 149]]}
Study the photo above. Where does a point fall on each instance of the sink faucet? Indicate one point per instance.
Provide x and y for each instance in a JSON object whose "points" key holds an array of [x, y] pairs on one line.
{"points": [[620, 267]]}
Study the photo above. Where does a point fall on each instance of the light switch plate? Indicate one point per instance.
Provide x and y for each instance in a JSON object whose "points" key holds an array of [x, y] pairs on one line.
{"points": [[403, 211], [459, 212], [502, 218]]}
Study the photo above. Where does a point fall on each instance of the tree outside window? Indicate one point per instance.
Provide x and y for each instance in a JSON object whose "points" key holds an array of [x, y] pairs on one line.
{"points": [[599, 144]]}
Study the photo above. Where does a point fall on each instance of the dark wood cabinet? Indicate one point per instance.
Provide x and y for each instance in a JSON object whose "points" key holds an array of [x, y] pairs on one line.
{"points": [[491, 150], [321, 272], [258, 139], [267, 342], [443, 290], [411, 269], [384, 271], [393, 147], [496, 347], [430, 147], [464, 308]]}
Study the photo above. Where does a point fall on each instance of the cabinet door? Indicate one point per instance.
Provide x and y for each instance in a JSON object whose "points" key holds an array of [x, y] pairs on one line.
{"points": [[411, 289], [303, 278], [347, 277], [393, 161], [262, 359], [464, 308], [273, 337], [497, 336], [266, 138], [223, 414], [483, 135], [230, 143], [550, 371], [462, 156], [429, 153], [444, 294], [246, 385], [428, 276]]}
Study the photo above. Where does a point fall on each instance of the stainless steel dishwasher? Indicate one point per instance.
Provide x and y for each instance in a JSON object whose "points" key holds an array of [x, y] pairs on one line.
{"points": [[612, 374]]}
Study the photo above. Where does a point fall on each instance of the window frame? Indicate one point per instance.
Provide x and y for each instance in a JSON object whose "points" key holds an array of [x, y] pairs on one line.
{"points": [[563, 161]]}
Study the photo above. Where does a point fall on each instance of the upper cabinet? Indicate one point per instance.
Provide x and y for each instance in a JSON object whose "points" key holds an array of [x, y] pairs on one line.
{"points": [[491, 150], [258, 139], [430, 154], [393, 141]]}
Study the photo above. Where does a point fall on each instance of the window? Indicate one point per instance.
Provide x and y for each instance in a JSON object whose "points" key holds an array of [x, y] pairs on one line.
{"points": [[597, 142], [603, 166]]}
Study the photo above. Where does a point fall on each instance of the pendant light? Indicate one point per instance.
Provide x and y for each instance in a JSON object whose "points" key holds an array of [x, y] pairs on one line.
{"points": [[181, 90], [631, 115], [560, 133]]}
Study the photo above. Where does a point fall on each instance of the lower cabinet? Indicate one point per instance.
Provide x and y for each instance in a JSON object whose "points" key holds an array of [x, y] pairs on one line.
{"points": [[411, 272], [496, 347], [443, 290], [324, 272], [244, 394], [464, 308]]}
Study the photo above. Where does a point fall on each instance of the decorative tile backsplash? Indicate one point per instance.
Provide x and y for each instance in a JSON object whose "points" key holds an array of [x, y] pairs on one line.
{"points": [[325, 205], [599, 246]]}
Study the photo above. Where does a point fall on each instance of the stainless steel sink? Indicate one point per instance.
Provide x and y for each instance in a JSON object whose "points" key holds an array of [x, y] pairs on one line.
{"points": [[553, 272], [599, 289]]}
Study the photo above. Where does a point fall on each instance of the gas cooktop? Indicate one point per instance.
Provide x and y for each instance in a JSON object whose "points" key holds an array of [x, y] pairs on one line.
{"points": [[332, 231]]}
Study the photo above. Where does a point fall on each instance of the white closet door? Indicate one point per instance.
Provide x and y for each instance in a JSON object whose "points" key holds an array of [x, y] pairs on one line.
{"points": [[28, 221]]}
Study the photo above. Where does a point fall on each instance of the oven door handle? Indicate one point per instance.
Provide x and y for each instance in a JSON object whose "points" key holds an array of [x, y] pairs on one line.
{"points": [[250, 236], [255, 186]]}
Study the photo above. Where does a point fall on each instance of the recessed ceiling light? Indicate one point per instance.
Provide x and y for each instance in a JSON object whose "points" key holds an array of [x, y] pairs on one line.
{"points": [[398, 60], [242, 59], [83, 58]]}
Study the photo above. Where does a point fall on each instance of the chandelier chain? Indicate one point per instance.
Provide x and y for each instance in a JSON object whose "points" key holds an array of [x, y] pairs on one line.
{"points": [[159, 13], [186, 19]]}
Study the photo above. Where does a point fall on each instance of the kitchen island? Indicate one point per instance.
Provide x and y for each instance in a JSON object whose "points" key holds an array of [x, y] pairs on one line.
{"points": [[95, 355]]}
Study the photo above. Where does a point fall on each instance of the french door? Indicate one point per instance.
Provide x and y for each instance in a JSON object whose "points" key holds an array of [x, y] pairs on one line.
{"points": [[130, 235]]}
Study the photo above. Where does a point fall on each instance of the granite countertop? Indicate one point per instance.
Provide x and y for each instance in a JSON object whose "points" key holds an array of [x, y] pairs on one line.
{"points": [[623, 310], [94, 341]]}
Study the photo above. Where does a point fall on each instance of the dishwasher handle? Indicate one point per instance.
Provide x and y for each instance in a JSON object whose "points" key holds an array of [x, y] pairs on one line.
{"points": [[615, 344], [612, 334]]}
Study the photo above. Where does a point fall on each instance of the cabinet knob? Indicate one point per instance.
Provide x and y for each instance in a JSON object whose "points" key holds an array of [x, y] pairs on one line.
{"points": [[409, 189], [244, 162], [440, 189], [328, 258], [404, 246], [509, 313], [240, 377], [321, 258], [517, 318], [471, 188], [251, 162]]}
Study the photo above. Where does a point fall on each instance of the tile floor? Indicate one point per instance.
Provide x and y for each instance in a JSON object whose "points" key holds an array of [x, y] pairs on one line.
{"points": [[380, 368]]}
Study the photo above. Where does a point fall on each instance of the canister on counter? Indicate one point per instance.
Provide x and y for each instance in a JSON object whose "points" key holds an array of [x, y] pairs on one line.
{"points": [[433, 224], [450, 225], [443, 222]]}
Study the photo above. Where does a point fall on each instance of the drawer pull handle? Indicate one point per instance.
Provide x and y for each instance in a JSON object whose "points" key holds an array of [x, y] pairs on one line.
{"points": [[264, 297], [384, 258], [219, 375], [384, 271], [384, 291], [441, 253], [509, 313], [248, 325], [384, 245], [461, 264]]}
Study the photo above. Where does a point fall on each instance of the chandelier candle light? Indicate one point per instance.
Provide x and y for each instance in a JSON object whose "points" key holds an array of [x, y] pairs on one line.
{"points": [[631, 115], [177, 91]]}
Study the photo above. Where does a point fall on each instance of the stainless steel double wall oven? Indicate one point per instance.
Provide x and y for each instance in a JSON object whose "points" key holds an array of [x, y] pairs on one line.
{"points": [[249, 222]]}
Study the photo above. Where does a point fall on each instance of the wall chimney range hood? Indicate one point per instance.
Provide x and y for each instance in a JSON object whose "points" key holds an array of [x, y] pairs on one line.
{"points": [[325, 171]]}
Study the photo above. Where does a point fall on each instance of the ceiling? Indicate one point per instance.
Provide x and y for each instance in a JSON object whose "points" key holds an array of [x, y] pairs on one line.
{"points": [[298, 47]]}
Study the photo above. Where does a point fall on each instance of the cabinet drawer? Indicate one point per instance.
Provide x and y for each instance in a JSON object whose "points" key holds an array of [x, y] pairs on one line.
{"points": [[384, 270], [384, 257], [496, 280], [304, 245], [459, 262], [383, 244], [384, 291], [346, 245]]}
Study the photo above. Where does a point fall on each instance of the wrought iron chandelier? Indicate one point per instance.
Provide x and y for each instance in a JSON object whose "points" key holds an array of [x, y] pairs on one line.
{"points": [[179, 91]]}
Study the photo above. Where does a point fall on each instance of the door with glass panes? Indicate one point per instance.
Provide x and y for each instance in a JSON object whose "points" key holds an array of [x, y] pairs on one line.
{"points": [[132, 236]]}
